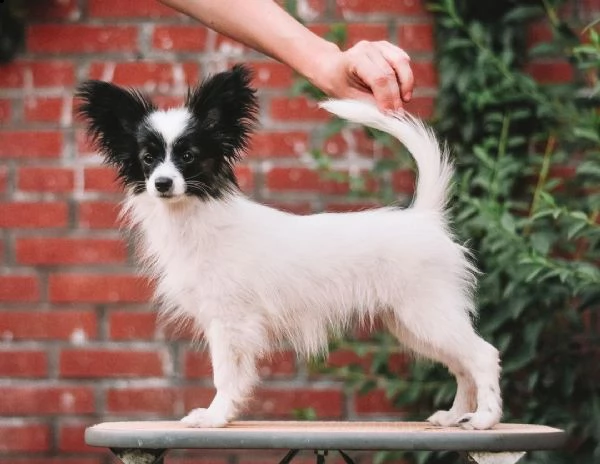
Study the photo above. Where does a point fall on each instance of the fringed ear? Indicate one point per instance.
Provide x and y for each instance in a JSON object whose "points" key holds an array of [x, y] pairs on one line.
{"points": [[112, 116], [226, 108]]}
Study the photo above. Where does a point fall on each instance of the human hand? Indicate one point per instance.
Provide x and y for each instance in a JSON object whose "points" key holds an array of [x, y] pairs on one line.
{"points": [[378, 71]]}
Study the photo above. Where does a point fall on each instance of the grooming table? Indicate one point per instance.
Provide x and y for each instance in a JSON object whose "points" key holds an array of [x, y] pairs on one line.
{"points": [[148, 442]]}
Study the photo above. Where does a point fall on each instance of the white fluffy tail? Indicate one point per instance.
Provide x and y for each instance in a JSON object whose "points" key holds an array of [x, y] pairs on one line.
{"points": [[434, 168]]}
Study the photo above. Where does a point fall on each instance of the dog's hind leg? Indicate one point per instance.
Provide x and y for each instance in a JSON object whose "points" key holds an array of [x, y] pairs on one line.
{"points": [[465, 400], [473, 362], [234, 357]]}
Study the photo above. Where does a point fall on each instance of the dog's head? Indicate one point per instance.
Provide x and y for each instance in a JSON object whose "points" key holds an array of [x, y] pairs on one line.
{"points": [[175, 153]]}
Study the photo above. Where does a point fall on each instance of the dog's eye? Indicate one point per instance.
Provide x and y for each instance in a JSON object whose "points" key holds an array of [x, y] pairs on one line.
{"points": [[187, 157], [147, 159]]}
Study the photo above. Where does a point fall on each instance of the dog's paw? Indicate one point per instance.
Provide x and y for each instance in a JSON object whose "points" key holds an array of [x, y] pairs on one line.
{"points": [[204, 418], [478, 420], [444, 418]]}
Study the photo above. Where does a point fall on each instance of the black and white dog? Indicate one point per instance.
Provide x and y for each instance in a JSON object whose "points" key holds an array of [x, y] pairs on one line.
{"points": [[253, 277]]}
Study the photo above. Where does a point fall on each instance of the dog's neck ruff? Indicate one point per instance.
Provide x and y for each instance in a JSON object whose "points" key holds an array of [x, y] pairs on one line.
{"points": [[172, 218]]}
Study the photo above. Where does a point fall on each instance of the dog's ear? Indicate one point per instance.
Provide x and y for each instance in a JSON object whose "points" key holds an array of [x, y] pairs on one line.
{"points": [[226, 108], [113, 115]]}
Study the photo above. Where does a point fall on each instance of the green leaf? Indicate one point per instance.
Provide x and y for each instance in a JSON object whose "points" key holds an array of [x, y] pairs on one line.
{"points": [[575, 228], [542, 241], [508, 223], [523, 13], [588, 134]]}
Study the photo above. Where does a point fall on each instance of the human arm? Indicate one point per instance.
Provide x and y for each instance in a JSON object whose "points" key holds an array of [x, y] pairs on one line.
{"points": [[368, 70]]}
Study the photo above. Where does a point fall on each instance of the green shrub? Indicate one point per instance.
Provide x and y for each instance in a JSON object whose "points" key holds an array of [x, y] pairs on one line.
{"points": [[527, 202]]}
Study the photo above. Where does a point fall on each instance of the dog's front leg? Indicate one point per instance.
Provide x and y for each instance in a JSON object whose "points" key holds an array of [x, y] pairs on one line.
{"points": [[234, 372]]}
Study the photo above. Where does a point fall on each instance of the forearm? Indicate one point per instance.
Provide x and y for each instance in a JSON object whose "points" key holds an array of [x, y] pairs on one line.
{"points": [[262, 25]]}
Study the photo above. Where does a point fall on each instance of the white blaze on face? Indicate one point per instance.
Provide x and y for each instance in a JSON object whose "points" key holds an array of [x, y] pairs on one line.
{"points": [[170, 124]]}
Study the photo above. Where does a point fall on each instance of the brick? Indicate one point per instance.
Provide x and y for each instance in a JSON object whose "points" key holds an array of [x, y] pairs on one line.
{"points": [[3, 179], [132, 325], [110, 363], [19, 288], [422, 107], [79, 38], [21, 401], [183, 329], [127, 401], [278, 144], [300, 179], [538, 32], [25, 144], [98, 288], [150, 76], [84, 144], [179, 38], [33, 215], [281, 364], [276, 403], [197, 397], [40, 109], [71, 440], [5, 111], [168, 101], [31, 438], [195, 38], [98, 215], [554, 72], [403, 181], [425, 74], [271, 75], [245, 177], [42, 73], [341, 358], [53, 9], [197, 365], [59, 460], [303, 180], [45, 179], [23, 364], [297, 109], [11, 75], [375, 402], [367, 31], [416, 37], [131, 9], [101, 179], [62, 250], [56, 324], [350, 8]]}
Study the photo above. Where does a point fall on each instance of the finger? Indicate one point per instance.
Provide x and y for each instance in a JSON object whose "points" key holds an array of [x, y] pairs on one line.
{"points": [[400, 61], [378, 80], [385, 69]]}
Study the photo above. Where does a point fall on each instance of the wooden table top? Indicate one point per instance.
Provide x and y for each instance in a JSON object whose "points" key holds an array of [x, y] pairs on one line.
{"points": [[324, 435]]}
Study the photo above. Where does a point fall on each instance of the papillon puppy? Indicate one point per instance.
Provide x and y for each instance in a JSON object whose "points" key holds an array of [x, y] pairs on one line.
{"points": [[253, 278]]}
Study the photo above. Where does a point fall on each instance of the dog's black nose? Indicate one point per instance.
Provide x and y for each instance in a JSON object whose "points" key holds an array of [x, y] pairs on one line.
{"points": [[163, 184]]}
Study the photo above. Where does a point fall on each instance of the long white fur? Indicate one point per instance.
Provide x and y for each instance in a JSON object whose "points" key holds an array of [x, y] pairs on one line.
{"points": [[252, 277]]}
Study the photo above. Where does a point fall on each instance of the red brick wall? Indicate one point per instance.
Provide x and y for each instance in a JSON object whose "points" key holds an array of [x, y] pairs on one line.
{"points": [[79, 342]]}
